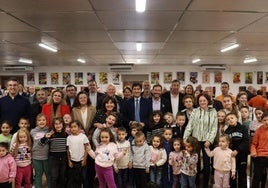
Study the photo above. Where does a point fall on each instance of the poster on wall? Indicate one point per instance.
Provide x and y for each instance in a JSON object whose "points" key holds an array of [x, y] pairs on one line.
{"points": [[42, 77], [78, 78], [91, 76], [242, 88], [103, 78], [181, 77], [266, 77], [30, 78], [54, 78], [66, 78], [248, 77], [236, 77], [205, 78], [154, 77], [193, 77], [217, 77], [116, 78], [167, 77], [259, 77]]}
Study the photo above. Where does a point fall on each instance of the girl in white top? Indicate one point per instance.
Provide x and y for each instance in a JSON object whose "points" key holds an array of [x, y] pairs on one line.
{"points": [[158, 158], [175, 160], [105, 155]]}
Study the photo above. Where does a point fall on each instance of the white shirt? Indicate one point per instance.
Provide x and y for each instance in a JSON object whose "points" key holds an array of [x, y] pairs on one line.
{"points": [[174, 104], [76, 144], [84, 118], [156, 104]]}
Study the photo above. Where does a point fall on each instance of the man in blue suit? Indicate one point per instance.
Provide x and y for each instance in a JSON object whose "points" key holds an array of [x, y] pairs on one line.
{"points": [[136, 109]]}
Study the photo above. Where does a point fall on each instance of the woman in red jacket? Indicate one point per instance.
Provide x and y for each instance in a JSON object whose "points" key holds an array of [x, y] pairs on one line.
{"points": [[56, 106]]}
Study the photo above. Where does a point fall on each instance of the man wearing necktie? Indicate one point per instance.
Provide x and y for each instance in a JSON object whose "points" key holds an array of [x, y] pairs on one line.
{"points": [[136, 109]]}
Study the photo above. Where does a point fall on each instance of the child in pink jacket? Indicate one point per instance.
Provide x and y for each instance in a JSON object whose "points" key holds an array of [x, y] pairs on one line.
{"points": [[7, 165]]}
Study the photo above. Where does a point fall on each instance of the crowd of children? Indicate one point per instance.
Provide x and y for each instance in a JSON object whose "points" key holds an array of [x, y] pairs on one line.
{"points": [[159, 158]]}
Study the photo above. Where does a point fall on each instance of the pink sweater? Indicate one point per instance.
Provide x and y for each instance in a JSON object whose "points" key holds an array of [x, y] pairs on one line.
{"points": [[223, 161], [106, 154], [8, 168]]}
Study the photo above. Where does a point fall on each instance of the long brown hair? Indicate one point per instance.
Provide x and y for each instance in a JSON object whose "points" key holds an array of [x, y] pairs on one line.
{"points": [[17, 142]]}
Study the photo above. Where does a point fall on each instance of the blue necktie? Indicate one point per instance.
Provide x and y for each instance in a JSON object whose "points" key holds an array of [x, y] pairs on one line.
{"points": [[137, 110]]}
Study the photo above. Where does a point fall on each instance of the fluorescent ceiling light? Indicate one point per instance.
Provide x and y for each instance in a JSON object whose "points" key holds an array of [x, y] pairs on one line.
{"points": [[229, 48], [24, 60], [47, 47], [139, 46], [140, 5], [196, 60], [250, 60], [81, 60]]}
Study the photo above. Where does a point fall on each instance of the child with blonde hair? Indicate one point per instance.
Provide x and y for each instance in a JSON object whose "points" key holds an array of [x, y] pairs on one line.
{"points": [[22, 153]]}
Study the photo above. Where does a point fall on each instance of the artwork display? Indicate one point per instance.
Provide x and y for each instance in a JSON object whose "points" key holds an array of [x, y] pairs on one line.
{"points": [[248, 77], [181, 77], [30, 78], [266, 77], [259, 77], [167, 77], [91, 76], [78, 78], [54, 78], [66, 78], [193, 77], [205, 77], [154, 77], [217, 77], [42, 78], [236, 78], [103, 78], [116, 78]]}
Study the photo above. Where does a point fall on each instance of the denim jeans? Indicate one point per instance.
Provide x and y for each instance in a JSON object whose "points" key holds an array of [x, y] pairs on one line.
{"points": [[40, 167], [121, 178], [187, 181], [58, 171], [156, 175]]}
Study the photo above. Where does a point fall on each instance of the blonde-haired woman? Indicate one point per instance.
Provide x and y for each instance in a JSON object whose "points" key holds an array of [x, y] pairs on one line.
{"points": [[56, 106]]}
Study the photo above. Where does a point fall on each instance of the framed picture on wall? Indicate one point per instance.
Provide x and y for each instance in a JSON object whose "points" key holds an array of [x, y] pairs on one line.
{"points": [[242, 88], [66, 78], [154, 77], [236, 77], [218, 77], [116, 78], [54, 78], [193, 77], [42, 77], [91, 76], [181, 77], [167, 77], [266, 77], [30, 78], [259, 77], [248, 77], [103, 79], [78, 78], [205, 78]]}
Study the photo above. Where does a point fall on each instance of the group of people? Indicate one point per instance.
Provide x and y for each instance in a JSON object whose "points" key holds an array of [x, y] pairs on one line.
{"points": [[145, 139]]}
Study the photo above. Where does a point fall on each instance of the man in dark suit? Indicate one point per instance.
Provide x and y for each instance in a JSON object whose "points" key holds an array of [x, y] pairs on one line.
{"points": [[130, 106], [93, 93], [158, 102], [71, 92], [110, 91], [174, 98]]}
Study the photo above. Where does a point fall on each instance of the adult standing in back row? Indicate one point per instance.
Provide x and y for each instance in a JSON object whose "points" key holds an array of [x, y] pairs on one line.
{"points": [[14, 106], [174, 97]]}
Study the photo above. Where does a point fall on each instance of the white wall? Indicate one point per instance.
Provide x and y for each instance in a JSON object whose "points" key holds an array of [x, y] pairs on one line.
{"points": [[145, 69]]}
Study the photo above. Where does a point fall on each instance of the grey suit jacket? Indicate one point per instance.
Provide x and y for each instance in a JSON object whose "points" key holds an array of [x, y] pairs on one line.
{"points": [[76, 115]]}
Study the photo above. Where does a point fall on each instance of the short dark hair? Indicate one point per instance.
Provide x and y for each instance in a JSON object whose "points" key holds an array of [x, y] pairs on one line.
{"points": [[206, 96], [264, 115], [71, 85], [4, 145], [136, 84], [157, 85]]}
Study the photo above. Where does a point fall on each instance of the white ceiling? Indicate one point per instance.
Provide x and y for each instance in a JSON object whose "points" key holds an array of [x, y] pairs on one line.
{"points": [[103, 32]]}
